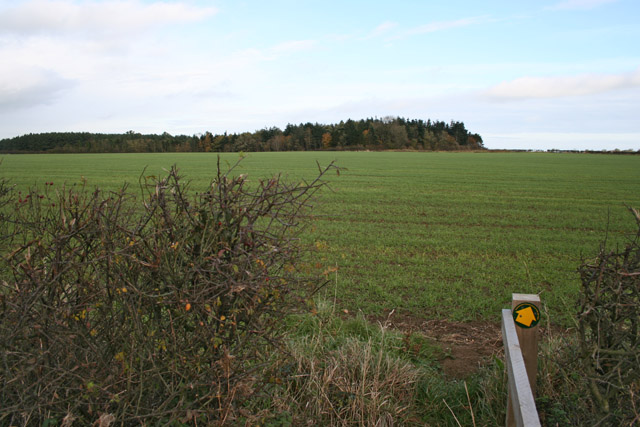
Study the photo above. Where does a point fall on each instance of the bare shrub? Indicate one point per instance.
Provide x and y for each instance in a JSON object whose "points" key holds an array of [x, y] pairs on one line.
{"points": [[152, 310], [609, 327]]}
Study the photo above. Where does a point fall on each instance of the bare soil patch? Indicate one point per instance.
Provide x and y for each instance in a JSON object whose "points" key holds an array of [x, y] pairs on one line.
{"points": [[466, 346]]}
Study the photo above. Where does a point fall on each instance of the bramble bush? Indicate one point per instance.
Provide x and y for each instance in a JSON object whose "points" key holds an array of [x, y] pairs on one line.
{"points": [[153, 309]]}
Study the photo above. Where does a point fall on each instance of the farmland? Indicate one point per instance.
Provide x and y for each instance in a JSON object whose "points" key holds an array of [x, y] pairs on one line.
{"points": [[431, 235]]}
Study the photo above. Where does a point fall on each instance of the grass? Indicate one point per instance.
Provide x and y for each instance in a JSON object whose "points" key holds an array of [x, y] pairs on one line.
{"points": [[433, 235], [357, 373]]}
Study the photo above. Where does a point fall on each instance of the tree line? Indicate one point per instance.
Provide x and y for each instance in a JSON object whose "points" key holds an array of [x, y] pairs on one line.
{"points": [[388, 133]]}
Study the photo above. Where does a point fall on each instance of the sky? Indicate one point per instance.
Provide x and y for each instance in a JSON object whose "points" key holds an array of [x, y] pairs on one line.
{"points": [[530, 74]]}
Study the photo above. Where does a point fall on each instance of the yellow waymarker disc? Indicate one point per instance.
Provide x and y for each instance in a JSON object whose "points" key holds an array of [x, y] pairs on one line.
{"points": [[526, 315]]}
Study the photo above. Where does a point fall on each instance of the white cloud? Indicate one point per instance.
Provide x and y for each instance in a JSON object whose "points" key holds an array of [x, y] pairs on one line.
{"points": [[109, 49], [66, 17], [24, 87], [382, 29], [580, 4], [555, 87]]}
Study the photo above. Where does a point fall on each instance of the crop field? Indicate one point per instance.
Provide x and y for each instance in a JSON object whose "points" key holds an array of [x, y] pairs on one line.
{"points": [[431, 235]]}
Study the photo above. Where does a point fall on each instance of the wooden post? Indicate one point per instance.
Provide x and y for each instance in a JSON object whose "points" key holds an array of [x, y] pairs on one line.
{"points": [[520, 397], [526, 321]]}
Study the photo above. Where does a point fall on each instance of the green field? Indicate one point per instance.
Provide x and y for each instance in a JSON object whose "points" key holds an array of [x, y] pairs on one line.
{"points": [[431, 235]]}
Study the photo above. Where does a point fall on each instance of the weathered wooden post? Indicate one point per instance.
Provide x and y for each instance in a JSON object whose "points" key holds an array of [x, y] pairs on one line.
{"points": [[525, 310]]}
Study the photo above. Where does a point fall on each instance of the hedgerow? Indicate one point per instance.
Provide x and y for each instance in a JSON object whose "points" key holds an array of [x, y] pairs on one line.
{"points": [[156, 308], [609, 330]]}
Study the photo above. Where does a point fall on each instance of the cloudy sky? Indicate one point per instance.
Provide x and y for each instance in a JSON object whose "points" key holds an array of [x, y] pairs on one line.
{"points": [[523, 74]]}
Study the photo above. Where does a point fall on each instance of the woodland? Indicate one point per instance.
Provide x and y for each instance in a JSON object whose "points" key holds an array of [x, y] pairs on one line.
{"points": [[388, 133]]}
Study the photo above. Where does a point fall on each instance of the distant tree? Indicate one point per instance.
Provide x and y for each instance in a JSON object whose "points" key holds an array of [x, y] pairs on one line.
{"points": [[398, 135], [267, 133], [351, 134], [459, 132], [326, 140], [446, 142], [206, 142], [247, 142], [277, 142], [475, 141]]}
